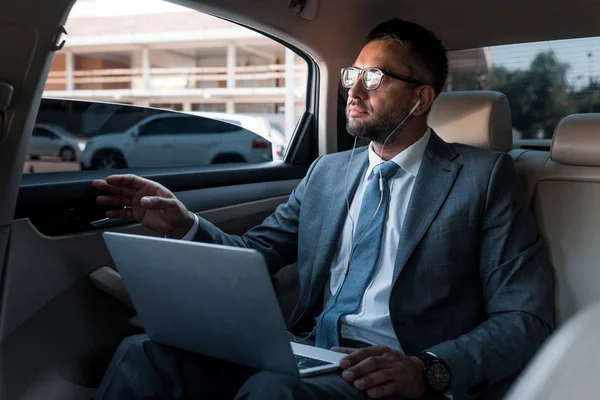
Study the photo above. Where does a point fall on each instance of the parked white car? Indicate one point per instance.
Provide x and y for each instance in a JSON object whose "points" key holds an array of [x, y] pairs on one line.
{"points": [[259, 125], [53, 141], [173, 140]]}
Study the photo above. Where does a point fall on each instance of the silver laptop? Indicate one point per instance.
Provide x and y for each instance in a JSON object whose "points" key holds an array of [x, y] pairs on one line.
{"points": [[213, 300]]}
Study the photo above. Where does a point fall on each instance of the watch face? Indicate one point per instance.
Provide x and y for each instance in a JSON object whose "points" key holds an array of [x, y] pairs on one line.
{"points": [[438, 377]]}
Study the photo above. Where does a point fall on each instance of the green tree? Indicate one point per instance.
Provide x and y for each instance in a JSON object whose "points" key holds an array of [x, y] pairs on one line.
{"points": [[538, 97], [466, 80], [587, 99]]}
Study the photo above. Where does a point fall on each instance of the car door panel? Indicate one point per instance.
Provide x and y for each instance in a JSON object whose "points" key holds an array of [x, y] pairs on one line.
{"points": [[65, 204], [52, 284], [57, 330]]}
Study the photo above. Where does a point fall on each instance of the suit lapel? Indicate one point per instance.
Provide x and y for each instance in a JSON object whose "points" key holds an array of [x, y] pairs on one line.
{"points": [[336, 212], [433, 183]]}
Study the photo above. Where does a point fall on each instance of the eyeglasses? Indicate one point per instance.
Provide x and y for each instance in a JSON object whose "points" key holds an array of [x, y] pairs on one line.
{"points": [[371, 77]]}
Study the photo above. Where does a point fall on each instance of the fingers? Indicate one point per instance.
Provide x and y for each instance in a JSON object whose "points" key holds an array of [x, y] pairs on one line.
{"points": [[361, 354], [114, 201], [376, 378], [345, 350], [125, 213], [366, 366], [387, 390], [170, 206], [128, 180], [105, 187]]}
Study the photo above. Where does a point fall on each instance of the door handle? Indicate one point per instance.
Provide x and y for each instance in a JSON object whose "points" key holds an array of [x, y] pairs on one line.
{"points": [[107, 222]]}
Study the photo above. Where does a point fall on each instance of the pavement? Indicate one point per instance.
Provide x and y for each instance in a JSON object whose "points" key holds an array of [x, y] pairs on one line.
{"points": [[49, 164]]}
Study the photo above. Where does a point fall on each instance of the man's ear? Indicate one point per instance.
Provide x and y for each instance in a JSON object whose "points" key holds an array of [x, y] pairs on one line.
{"points": [[426, 95]]}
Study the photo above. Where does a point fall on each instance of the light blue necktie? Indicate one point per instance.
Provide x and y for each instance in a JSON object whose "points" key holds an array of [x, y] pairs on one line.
{"points": [[364, 259]]}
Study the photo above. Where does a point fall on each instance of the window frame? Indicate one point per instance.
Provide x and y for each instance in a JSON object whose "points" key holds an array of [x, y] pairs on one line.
{"points": [[64, 202]]}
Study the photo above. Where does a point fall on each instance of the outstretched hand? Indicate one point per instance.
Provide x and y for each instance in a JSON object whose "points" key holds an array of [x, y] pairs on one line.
{"points": [[146, 202]]}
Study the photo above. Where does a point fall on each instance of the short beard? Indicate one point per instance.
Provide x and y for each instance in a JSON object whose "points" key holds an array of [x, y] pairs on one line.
{"points": [[379, 130]]}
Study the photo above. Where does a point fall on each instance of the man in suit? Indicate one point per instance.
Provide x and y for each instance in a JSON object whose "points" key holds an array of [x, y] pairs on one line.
{"points": [[431, 277]]}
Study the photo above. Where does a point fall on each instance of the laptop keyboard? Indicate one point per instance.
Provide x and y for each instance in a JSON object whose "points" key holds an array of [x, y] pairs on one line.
{"points": [[307, 362]]}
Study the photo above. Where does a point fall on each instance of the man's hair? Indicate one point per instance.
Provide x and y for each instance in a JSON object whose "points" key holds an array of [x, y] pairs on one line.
{"points": [[428, 61]]}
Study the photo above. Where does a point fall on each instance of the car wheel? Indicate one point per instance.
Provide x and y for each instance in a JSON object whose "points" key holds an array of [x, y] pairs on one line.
{"points": [[108, 159], [228, 159], [67, 154]]}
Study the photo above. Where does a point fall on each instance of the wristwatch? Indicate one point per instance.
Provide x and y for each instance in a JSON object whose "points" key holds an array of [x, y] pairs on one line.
{"points": [[436, 373]]}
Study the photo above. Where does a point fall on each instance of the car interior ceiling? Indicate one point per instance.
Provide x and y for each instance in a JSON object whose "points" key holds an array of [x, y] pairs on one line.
{"points": [[560, 188]]}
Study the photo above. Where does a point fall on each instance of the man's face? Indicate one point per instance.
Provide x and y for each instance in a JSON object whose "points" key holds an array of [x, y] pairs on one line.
{"points": [[374, 114]]}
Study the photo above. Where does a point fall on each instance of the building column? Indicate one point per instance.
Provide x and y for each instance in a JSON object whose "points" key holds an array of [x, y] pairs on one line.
{"points": [[231, 63], [146, 68], [187, 106], [290, 101], [230, 107], [69, 70]]}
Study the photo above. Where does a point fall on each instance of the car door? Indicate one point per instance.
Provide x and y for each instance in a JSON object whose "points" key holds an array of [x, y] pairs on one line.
{"points": [[54, 143], [63, 309], [203, 141], [196, 140], [46, 143], [35, 143], [152, 143]]}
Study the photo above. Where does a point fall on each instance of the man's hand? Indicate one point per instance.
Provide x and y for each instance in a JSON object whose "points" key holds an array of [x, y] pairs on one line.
{"points": [[146, 202], [381, 372]]}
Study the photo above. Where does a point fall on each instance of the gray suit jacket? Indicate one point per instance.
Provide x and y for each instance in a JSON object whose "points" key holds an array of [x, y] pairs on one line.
{"points": [[472, 281]]}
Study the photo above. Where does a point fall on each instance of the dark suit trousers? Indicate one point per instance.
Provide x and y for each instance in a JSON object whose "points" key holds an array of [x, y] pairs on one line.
{"points": [[143, 369]]}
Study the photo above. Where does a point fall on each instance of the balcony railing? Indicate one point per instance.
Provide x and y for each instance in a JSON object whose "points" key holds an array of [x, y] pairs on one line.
{"points": [[261, 74]]}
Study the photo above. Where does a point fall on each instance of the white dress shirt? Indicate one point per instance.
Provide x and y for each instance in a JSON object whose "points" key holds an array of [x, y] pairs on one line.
{"points": [[371, 323], [193, 230]]}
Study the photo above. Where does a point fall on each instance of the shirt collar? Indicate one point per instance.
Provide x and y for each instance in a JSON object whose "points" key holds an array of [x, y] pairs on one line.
{"points": [[409, 159]]}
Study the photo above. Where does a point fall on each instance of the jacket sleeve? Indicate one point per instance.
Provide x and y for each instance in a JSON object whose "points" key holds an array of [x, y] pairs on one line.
{"points": [[518, 290], [276, 238]]}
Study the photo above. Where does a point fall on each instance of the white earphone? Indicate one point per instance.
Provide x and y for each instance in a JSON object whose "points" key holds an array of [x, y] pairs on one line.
{"points": [[417, 104], [412, 110]]}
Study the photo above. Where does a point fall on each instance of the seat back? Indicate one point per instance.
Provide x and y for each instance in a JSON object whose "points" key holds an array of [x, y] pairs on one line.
{"points": [[562, 186], [476, 118], [566, 207]]}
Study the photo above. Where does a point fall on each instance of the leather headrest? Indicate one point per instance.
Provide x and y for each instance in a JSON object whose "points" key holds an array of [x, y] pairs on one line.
{"points": [[476, 118], [576, 141]]}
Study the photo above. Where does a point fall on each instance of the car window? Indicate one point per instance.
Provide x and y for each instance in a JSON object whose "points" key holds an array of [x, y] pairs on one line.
{"points": [[163, 126], [544, 81], [120, 67], [186, 125], [41, 132]]}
